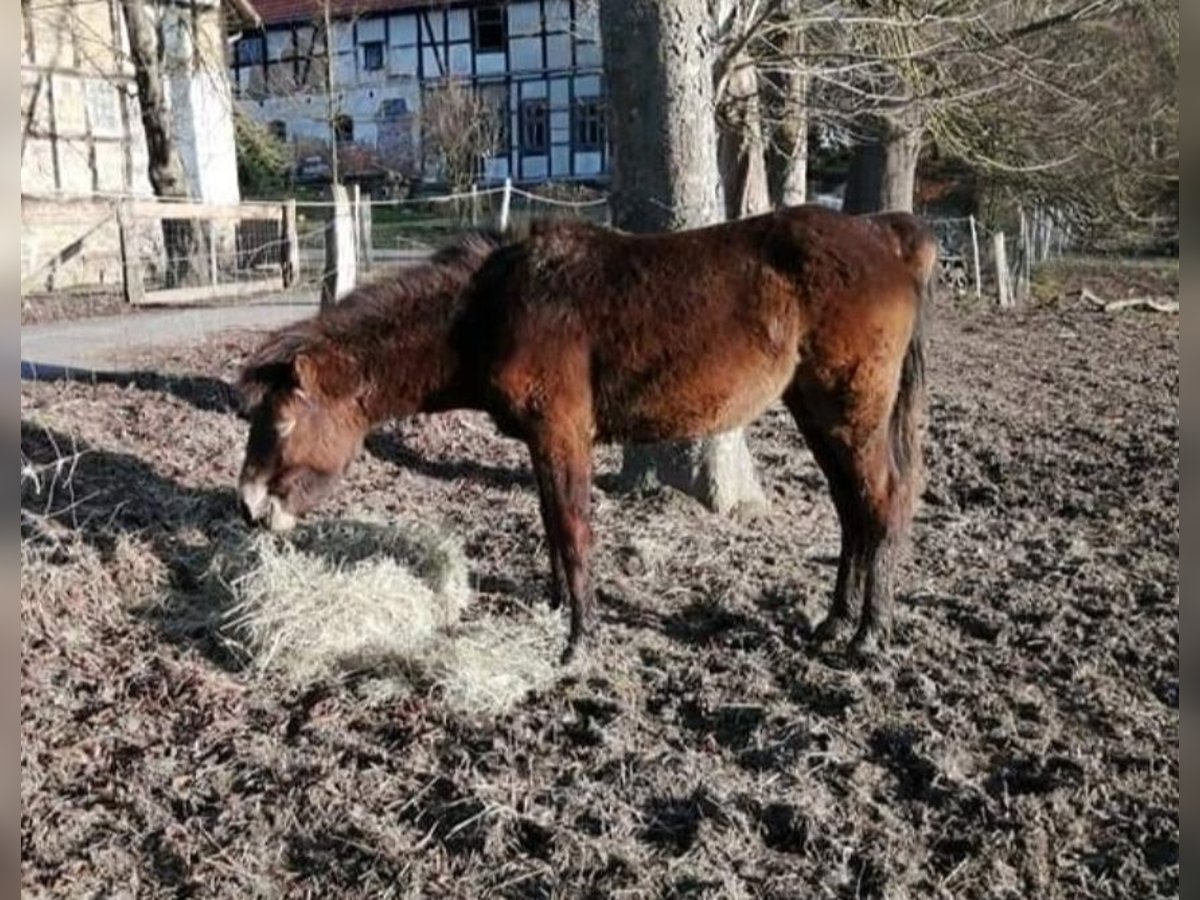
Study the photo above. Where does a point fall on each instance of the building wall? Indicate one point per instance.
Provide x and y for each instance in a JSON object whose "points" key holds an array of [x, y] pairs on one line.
{"points": [[545, 75], [83, 143], [81, 135], [81, 132], [201, 100]]}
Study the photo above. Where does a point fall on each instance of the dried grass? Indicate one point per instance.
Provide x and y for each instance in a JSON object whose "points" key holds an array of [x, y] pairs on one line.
{"points": [[336, 596], [367, 597], [490, 665]]}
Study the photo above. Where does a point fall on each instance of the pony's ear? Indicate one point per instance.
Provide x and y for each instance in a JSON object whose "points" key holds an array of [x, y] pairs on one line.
{"points": [[272, 367], [256, 381]]}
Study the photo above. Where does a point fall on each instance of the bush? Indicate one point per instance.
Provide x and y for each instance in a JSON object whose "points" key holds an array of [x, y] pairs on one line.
{"points": [[262, 158]]}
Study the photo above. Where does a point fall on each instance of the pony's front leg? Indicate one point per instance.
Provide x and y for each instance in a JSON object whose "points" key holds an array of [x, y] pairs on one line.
{"points": [[562, 460]]}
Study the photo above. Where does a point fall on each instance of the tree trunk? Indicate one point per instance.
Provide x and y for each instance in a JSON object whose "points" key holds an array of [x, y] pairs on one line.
{"points": [[330, 102], [184, 247], [787, 106], [658, 62], [741, 154], [883, 169]]}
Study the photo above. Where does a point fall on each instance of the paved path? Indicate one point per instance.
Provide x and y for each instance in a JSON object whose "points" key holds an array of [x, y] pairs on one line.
{"points": [[112, 343]]}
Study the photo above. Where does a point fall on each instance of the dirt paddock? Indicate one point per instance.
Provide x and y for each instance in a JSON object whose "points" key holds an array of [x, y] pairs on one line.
{"points": [[1019, 740]]}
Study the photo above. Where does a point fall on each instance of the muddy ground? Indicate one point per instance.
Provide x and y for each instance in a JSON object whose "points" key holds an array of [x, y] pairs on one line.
{"points": [[1019, 739]]}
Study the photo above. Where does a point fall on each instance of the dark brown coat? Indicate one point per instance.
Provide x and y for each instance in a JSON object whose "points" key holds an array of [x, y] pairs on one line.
{"points": [[579, 334]]}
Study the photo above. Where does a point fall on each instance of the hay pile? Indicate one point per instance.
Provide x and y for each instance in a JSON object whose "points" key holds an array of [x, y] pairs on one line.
{"points": [[339, 596]]}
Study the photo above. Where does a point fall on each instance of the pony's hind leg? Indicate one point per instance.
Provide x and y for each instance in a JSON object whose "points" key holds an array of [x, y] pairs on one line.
{"points": [[836, 464], [562, 460], [886, 519]]}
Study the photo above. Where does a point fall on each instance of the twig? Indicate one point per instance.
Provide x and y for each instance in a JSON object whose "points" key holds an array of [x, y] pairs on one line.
{"points": [[1158, 304]]}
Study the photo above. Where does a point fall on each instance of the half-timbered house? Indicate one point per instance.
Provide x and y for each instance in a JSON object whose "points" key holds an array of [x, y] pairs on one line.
{"points": [[536, 61]]}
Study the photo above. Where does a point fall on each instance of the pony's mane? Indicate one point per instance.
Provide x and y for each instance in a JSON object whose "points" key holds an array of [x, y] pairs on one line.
{"points": [[429, 295]]}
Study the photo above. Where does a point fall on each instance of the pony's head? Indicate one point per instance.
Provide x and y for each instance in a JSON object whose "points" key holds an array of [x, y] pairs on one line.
{"points": [[304, 399]]}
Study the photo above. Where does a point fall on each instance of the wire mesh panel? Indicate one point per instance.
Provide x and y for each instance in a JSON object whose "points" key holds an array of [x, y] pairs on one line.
{"points": [[190, 252], [259, 245]]}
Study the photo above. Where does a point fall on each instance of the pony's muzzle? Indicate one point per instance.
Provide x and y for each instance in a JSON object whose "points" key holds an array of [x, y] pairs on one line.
{"points": [[253, 501], [259, 507], [247, 513]]}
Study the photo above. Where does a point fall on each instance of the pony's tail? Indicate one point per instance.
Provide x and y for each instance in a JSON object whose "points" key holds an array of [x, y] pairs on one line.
{"points": [[908, 412]]}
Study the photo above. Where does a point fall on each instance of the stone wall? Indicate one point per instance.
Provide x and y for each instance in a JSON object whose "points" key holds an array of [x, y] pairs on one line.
{"points": [[69, 244]]}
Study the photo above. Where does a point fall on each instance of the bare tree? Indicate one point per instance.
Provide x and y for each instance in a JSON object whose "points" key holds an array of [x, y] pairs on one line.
{"points": [[1085, 121], [741, 148], [784, 85], [459, 127], [182, 241], [658, 59], [894, 75]]}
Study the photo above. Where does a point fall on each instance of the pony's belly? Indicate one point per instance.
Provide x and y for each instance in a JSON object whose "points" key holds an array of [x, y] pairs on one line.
{"points": [[751, 401], [698, 403]]}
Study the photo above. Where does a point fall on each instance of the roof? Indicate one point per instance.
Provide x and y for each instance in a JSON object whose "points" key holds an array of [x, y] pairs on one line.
{"points": [[243, 12], [274, 12]]}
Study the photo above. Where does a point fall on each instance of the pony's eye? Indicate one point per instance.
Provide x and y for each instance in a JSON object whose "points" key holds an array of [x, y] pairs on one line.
{"points": [[284, 427]]}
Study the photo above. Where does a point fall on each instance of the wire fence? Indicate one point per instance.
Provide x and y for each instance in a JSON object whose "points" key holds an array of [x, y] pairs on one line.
{"points": [[984, 260], [121, 244]]}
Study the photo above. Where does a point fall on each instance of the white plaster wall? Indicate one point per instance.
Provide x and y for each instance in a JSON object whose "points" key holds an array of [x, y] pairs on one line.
{"points": [[201, 102]]}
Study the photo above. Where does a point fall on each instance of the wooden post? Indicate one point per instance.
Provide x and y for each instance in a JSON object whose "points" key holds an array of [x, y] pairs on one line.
{"points": [[213, 272], [1000, 257], [289, 250], [356, 214], [131, 271], [474, 205], [505, 202], [1024, 249], [341, 269], [975, 250], [362, 219]]}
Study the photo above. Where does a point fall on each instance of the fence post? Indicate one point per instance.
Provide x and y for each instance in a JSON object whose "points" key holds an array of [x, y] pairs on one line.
{"points": [[341, 268], [289, 250], [131, 272], [368, 233], [212, 250], [362, 221], [975, 249], [1024, 250], [1000, 257], [505, 202], [474, 205]]}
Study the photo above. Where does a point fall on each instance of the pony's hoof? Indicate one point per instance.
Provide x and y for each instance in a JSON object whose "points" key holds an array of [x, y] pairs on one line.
{"points": [[556, 600], [865, 647], [570, 654], [828, 629]]}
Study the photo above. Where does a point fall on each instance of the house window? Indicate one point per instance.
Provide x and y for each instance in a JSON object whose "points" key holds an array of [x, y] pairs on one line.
{"points": [[102, 108], [587, 124], [490, 29], [495, 97], [535, 129], [250, 50], [278, 130], [343, 130], [372, 55], [393, 109]]}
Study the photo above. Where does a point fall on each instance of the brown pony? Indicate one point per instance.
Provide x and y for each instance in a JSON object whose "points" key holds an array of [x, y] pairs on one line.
{"points": [[579, 334]]}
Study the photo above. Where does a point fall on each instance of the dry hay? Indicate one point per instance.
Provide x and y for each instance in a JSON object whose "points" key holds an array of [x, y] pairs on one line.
{"points": [[492, 664], [351, 596]]}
